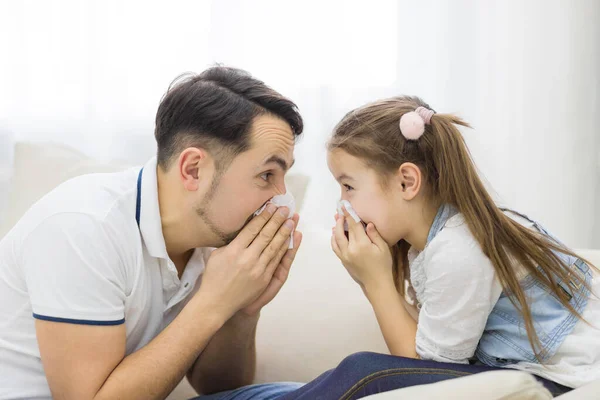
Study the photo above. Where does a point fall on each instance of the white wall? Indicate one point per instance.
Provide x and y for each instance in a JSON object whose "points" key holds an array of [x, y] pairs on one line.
{"points": [[524, 73], [532, 93]]}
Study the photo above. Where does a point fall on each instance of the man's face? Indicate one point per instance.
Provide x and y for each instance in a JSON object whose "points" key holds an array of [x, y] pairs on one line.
{"points": [[252, 178]]}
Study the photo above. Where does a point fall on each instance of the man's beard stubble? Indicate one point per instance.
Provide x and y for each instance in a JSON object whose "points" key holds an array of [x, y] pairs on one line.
{"points": [[203, 212]]}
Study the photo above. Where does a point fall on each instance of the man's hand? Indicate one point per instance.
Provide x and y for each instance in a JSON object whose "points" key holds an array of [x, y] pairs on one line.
{"points": [[238, 273], [286, 257]]}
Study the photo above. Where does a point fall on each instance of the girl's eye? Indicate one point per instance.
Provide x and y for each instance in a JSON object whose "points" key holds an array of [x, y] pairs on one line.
{"points": [[348, 188]]}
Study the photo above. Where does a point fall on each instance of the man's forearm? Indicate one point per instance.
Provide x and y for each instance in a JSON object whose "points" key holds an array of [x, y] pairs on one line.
{"points": [[229, 360], [153, 371]]}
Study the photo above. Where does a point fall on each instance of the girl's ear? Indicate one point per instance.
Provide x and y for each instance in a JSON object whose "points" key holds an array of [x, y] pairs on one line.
{"points": [[409, 180]]}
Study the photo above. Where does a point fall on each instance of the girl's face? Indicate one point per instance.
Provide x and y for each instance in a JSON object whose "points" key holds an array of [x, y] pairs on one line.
{"points": [[362, 187]]}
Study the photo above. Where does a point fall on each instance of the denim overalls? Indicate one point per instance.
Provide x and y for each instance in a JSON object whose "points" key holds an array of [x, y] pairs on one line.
{"points": [[504, 340]]}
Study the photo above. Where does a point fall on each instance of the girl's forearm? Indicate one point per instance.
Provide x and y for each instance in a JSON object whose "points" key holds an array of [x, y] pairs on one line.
{"points": [[398, 327]]}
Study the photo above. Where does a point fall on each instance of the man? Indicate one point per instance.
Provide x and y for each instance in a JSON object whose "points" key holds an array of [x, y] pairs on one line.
{"points": [[108, 285]]}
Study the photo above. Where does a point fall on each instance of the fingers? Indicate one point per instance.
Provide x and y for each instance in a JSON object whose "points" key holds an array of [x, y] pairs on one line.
{"points": [[340, 236], [335, 247], [271, 256], [254, 227], [290, 255], [277, 259], [270, 230], [351, 224], [296, 219], [281, 236], [272, 289], [356, 230], [279, 277], [375, 237], [281, 274]]}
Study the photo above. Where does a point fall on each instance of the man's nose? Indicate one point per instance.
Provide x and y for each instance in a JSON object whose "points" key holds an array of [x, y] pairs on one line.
{"points": [[280, 189]]}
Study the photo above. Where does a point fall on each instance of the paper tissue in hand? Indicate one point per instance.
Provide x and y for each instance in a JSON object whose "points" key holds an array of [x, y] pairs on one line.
{"points": [[350, 210], [283, 200]]}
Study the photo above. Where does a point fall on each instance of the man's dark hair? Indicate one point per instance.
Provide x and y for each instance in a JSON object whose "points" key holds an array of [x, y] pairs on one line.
{"points": [[215, 110]]}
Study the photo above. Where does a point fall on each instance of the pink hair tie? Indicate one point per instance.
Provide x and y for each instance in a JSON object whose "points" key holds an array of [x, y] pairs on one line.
{"points": [[412, 124]]}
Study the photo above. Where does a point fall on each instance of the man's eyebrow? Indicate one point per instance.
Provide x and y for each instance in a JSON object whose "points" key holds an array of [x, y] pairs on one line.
{"points": [[280, 161]]}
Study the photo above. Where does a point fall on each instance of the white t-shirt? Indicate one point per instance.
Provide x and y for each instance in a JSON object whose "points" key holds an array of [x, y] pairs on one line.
{"points": [[79, 256], [457, 287]]}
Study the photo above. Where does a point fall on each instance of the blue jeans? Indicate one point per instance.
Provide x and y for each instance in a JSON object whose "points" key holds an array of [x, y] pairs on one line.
{"points": [[363, 374]]}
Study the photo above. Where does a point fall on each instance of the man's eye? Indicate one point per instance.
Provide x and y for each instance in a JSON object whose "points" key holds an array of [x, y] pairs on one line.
{"points": [[348, 188], [266, 176]]}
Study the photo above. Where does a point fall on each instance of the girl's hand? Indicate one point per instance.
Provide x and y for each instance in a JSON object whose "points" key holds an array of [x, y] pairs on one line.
{"points": [[365, 255]]}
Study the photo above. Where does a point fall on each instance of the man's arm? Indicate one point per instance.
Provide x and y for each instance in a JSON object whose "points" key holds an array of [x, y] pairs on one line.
{"points": [[229, 360], [87, 362]]}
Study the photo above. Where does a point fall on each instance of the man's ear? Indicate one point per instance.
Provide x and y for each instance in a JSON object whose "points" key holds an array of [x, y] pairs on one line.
{"points": [[193, 165], [409, 180]]}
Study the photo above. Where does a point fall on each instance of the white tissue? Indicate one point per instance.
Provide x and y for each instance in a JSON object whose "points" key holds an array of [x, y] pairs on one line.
{"points": [[282, 200], [350, 210]]}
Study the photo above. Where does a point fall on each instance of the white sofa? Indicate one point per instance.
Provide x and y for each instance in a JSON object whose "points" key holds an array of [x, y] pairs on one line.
{"points": [[319, 317]]}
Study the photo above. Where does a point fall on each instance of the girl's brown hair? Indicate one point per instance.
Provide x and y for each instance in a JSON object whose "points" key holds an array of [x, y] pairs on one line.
{"points": [[372, 133]]}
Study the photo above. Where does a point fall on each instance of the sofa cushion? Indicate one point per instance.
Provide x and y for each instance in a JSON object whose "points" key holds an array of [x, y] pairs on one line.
{"points": [[591, 391], [493, 385]]}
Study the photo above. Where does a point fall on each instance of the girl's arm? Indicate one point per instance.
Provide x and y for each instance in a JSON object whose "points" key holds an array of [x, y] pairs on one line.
{"points": [[368, 260], [459, 293], [412, 309], [398, 326]]}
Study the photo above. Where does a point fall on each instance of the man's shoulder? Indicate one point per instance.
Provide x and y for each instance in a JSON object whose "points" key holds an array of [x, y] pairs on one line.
{"points": [[106, 198]]}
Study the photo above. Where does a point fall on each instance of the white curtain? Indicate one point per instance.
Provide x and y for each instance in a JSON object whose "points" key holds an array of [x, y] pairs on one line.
{"points": [[525, 73]]}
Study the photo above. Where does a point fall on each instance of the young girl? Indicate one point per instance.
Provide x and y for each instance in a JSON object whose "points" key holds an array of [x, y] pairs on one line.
{"points": [[490, 286]]}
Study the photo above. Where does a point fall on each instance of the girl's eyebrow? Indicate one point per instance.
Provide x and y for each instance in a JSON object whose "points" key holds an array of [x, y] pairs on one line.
{"points": [[344, 176]]}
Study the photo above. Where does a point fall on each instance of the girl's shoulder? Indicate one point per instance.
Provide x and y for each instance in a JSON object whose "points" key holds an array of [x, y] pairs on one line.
{"points": [[454, 234], [451, 258], [455, 245]]}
